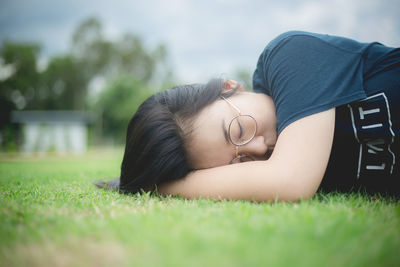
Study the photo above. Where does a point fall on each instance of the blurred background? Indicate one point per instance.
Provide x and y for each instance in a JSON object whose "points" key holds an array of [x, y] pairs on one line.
{"points": [[72, 73]]}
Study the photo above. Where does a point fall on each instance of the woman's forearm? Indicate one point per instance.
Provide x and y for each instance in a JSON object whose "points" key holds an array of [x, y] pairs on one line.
{"points": [[293, 172], [253, 181]]}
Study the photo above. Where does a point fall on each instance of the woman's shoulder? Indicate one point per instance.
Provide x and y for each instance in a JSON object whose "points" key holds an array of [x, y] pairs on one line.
{"points": [[285, 36], [291, 42], [303, 39]]}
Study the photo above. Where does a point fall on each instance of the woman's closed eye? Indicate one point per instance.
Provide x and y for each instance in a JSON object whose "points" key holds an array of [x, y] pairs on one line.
{"points": [[240, 130]]}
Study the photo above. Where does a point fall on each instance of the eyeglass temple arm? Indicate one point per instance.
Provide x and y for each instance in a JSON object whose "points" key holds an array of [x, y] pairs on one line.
{"points": [[230, 103]]}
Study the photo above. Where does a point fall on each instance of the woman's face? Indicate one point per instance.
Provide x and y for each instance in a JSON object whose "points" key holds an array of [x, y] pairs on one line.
{"points": [[209, 145]]}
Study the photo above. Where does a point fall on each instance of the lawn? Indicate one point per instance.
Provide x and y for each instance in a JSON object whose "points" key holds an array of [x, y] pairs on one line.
{"points": [[52, 215]]}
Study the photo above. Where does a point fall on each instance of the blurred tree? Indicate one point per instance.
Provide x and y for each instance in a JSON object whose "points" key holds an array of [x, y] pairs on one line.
{"points": [[125, 56], [18, 88], [64, 84], [131, 58], [244, 76], [118, 102], [90, 47], [18, 82], [130, 68]]}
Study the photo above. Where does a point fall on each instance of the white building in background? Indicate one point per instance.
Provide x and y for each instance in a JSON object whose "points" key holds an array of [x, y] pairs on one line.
{"points": [[59, 131]]}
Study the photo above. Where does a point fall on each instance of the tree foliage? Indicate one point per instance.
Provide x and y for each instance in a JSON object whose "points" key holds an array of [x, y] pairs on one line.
{"points": [[125, 63], [118, 102], [244, 77], [18, 89], [64, 84]]}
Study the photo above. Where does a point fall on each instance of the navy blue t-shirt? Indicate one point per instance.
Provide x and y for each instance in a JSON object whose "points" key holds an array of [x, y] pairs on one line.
{"points": [[306, 73]]}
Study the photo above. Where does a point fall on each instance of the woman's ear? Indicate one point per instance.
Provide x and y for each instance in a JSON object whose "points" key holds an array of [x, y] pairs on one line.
{"points": [[231, 84]]}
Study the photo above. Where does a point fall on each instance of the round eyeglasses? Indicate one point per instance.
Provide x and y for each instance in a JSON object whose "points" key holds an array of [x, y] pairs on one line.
{"points": [[241, 131]]}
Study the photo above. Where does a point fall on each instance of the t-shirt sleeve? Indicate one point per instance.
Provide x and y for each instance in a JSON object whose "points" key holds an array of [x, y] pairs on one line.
{"points": [[259, 78], [305, 75]]}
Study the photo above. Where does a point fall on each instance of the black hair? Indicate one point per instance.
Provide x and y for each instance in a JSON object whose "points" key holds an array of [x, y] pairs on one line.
{"points": [[158, 133]]}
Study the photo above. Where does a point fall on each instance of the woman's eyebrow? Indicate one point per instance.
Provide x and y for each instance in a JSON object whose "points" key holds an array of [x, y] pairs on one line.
{"points": [[225, 131]]}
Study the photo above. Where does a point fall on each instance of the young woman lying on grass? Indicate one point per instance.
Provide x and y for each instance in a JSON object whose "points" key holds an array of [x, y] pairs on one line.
{"points": [[324, 114]]}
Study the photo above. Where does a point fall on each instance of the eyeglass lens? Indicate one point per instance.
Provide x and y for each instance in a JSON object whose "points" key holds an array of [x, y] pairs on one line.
{"points": [[242, 129]]}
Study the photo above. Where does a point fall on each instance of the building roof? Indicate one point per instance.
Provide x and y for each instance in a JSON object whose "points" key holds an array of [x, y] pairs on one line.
{"points": [[46, 116]]}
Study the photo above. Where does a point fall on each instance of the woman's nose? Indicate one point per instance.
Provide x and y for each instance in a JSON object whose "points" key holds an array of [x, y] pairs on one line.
{"points": [[256, 147]]}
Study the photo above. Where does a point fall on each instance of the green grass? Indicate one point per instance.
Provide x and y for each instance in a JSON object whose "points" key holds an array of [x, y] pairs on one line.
{"points": [[52, 215]]}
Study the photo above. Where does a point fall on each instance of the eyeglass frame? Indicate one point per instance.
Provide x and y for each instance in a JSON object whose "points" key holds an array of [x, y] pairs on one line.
{"points": [[237, 156]]}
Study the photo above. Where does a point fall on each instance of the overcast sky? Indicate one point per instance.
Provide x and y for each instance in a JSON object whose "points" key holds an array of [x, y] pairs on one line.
{"points": [[204, 38]]}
